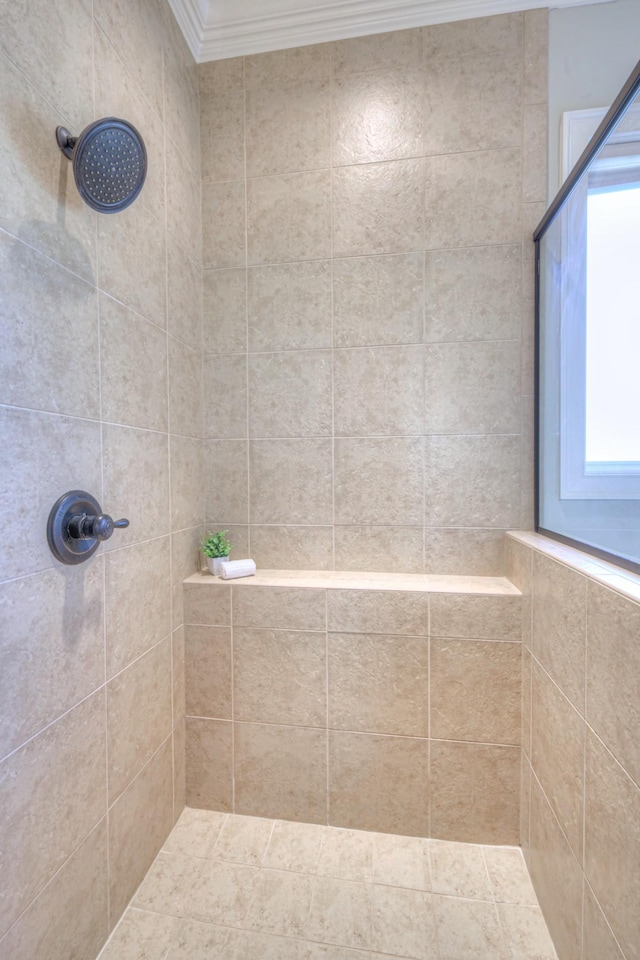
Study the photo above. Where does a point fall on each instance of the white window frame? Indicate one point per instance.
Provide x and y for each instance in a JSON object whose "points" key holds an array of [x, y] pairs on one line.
{"points": [[580, 479]]}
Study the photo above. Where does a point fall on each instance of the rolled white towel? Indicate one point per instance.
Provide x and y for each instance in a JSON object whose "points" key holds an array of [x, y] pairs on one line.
{"points": [[230, 569]]}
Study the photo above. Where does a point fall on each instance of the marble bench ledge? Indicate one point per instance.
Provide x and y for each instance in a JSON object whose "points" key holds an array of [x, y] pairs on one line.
{"points": [[342, 580]]}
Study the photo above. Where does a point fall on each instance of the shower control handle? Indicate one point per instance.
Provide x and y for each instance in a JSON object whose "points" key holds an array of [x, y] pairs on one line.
{"points": [[77, 526], [90, 527]]}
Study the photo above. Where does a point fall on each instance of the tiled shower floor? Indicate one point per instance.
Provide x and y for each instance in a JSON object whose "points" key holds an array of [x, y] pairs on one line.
{"points": [[242, 888]]}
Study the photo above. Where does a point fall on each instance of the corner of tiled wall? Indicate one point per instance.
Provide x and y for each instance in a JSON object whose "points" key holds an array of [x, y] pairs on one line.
{"points": [[581, 764], [367, 215]]}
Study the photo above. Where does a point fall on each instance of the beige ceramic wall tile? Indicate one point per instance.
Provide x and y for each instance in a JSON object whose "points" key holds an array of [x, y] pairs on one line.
{"points": [[136, 482], [484, 618], [60, 774], [475, 792], [559, 625], [379, 51], [475, 690], [289, 217], [379, 783], [223, 224], [612, 843], [48, 664], [70, 916], [378, 480], [185, 560], [378, 391], [378, 208], [185, 389], [186, 205], [280, 676], [281, 771], [51, 33], [138, 715], [379, 684], [372, 548], [131, 251], [527, 694], [532, 214], [187, 484], [526, 778], [178, 691], [137, 600], [486, 398], [490, 465], [222, 119], [613, 662], [224, 311], [211, 605], [225, 397], [41, 479], [378, 611], [378, 300], [289, 306], [288, 125], [137, 35], [139, 821], [181, 91], [34, 352], [482, 36], [557, 877], [599, 942], [292, 548], [184, 296], [473, 294], [207, 666], [133, 393], [464, 551], [282, 608], [209, 764], [534, 153], [287, 65], [519, 570], [536, 41], [377, 115], [290, 481], [557, 755], [36, 185], [473, 103], [118, 95], [290, 394], [226, 465], [473, 199]]}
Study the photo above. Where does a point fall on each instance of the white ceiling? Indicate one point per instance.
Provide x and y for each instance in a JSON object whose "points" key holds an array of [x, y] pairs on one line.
{"points": [[217, 29]]}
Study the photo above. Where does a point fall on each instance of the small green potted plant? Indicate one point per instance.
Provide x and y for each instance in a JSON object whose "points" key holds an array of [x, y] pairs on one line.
{"points": [[215, 547]]}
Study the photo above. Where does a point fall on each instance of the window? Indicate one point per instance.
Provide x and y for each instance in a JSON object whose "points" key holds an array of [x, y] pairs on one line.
{"points": [[588, 485]]}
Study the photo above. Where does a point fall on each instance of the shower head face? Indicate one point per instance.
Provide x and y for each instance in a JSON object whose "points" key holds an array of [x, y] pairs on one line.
{"points": [[109, 164]]}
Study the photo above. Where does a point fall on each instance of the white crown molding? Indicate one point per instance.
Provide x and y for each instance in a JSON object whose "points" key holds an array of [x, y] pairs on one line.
{"points": [[219, 29]]}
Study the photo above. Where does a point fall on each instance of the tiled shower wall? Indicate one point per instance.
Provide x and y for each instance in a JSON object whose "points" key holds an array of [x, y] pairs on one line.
{"points": [[367, 214], [389, 707], [100, 329], [581, 766]]}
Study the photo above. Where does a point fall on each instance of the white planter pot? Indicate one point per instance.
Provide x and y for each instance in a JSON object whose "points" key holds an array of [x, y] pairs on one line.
{"points": [[213, 564]]}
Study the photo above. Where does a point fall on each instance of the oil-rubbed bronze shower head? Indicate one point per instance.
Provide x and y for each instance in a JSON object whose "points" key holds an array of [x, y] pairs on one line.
{"points": [[109, 163]]}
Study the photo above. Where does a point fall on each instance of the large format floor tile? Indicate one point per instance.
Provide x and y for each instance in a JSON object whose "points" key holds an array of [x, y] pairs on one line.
{"points": [[227, 887]]}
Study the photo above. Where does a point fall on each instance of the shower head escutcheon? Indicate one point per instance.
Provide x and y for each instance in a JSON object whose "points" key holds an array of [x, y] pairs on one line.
{"points": [[109, 163]]}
